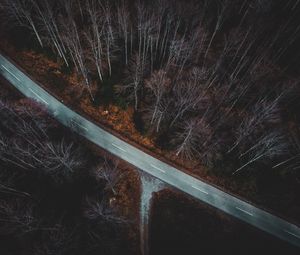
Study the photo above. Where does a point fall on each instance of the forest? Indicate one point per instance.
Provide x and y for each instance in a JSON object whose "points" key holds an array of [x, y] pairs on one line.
{"points": [[209, 80], [208, 86], [214, 82]]}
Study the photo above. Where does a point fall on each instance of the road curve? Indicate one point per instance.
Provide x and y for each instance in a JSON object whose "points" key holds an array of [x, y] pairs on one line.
{"points": [[174, 177]]}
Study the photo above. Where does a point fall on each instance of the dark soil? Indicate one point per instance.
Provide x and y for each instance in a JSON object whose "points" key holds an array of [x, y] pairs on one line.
{"points": [[181, 225]]}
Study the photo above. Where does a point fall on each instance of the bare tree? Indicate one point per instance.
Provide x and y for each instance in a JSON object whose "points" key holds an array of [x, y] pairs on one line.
{"points": [[158, 86], [176, 98], [31, 148], [100, 211], [263, 111], [136, 72], [105, 226], [191, 138], [267, 147], [187, 97], [109, 34], [110, 173], [17, 217], [54, 240], [47, 16], [7, 182], [156, 33], [10, 190], [290, 161], [94, 35], [125, 27], [72, 39], [221, 16], [143, 30], [62, 160], [23, 12]]}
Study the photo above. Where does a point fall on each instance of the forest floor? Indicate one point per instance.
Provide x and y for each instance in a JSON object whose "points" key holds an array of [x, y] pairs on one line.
{"points": [[182, 225], [278, 196], [125, 201]]}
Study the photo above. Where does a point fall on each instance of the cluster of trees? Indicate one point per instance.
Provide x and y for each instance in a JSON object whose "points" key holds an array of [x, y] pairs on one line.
{"points": [[54, 194], [206, 77]]}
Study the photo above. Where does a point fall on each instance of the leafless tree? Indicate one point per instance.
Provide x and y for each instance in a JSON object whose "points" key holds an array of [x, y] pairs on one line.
{"points": [[188, 94], [23, 12], [110, 173], [54, 240], [125, 27], [30, 148], [191, 138], [187, 97], [290, 162], [7, 183], [17, 217], [155, 34], [62, 160], [144, 27], [57, 160], [109, 33], [218, 24], [158, 86], [72, 39], [32, 112], [199, 40], [136, 73], [267, 147], [163, 112], [48, 17], [100, 211], [94, 35], [263, 110], [10, 190], [105, 226]]}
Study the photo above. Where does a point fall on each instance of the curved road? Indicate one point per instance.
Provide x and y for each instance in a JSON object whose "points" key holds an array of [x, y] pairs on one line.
{"points": [[198, 189]]}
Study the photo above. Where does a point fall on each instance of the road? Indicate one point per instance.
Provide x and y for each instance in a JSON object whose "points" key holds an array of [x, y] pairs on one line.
{"points": [[174, 177]]}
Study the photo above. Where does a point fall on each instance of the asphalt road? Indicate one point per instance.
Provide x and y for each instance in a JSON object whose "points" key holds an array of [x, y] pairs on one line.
{"points": [[174, 177]]}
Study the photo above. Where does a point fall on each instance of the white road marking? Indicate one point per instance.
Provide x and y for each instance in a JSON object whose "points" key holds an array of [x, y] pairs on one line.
{"points": [[118, 147], [37, 95], [200, 190], [292, 234], [244, 211], [10, 73], [79, 125], [163, 171]]}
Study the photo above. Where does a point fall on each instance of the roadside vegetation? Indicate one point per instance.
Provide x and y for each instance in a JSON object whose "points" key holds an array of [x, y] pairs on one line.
{"points": [[57, 194], [210, 85]]}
